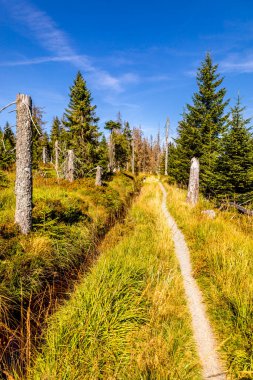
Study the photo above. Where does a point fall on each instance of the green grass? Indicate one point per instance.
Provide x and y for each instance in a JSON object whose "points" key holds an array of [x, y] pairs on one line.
{"points": [[35, 270], [221, 250], [127, 319]]}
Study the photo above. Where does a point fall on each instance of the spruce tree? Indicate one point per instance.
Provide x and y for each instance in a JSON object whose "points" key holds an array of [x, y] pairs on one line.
{"points": [[235, 164], [127, 133], [81, 122], [37, 135], [7, 147], [114, 128], [56, 130], [103, 155], [203, 124]]}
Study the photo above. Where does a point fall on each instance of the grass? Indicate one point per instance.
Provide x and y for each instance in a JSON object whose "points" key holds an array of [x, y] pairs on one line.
{"points": [[221, 251], [127, 319], [35, 270]]}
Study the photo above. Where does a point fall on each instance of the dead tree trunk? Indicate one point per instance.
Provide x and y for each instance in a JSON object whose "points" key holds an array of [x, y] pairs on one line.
{"points": [[98, 176], [241, 209], [44, 155], [111, 153], [56, 152], [193, 187], [133, 158], [23, 185], [166, 145], [70, 166]]}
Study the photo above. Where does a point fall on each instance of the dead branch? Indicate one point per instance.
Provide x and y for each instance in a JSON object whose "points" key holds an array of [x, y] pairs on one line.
{"points": [[241, 209], [8, 105]]}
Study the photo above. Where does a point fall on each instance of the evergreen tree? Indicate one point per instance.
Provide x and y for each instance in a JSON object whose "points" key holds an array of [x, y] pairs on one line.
{"points": [[38, 139], [202, 126], [235, 164], [127, 133], [81, 122], [114, 128], [7, 147], [56, 131], [103, 154]]}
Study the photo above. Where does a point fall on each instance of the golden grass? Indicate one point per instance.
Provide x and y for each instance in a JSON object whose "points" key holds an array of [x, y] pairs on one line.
{"points": [[36, 270], [221, 251], [128, 318]]}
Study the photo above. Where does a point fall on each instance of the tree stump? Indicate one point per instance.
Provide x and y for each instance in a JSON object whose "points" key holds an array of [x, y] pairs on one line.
{"points": [[23, 184], [193, 187], [98, 176]]}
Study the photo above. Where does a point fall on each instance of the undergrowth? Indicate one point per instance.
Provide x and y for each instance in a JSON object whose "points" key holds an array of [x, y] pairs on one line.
{"points": [[36, 270], [221, 250], [128, 318]]}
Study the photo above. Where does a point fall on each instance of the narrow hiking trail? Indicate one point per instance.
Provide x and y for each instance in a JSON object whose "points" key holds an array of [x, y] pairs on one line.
{"points": [[137, 314], [202, 330]]}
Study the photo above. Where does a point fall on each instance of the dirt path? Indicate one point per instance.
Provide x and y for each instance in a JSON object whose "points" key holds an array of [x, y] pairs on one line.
{"points": [[201, 327]]}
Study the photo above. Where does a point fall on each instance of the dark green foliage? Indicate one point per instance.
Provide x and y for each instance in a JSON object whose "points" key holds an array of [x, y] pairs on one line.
{"points": [[202, 125], [112, 126], [127, 133], [59, 133], [4, 182], [81, 122], [103, 154], [56, 131], [38, 139], [120, 143], [235, 163], [7, 147]]}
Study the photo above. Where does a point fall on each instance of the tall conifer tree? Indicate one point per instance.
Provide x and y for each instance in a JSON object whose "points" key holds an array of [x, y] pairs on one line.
{"points": [[202, 126], [7, 147], [235, 163], [81, 122]]}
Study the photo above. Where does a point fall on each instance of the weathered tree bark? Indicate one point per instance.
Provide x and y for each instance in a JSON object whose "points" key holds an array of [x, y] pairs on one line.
{"points": [[70, 166], [193, 187], [44, 155], [23, 184], [133, 154], [111, 153], [98, 176], [56, 152], [241, 209], [166, 145]]}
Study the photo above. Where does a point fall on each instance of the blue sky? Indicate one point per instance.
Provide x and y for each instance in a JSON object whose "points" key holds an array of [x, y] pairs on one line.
{"points": [[138, 57]]}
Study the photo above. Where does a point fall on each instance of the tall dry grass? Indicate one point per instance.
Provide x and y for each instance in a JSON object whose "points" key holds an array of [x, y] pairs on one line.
{"points": [[221, 251], [128, 318], [37, 270]]}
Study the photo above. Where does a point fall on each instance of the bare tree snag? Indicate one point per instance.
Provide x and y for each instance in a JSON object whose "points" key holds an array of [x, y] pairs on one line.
{"points": [[166, 145], [44, 155], [111, 153], [56, 152], [133, 154], [70, 166], [23, 185], [98, 176], [193, 187]]}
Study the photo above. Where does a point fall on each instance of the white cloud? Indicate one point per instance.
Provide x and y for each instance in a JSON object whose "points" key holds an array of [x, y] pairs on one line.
{"points": [[40, 60], [242, 64], [53, 39]]}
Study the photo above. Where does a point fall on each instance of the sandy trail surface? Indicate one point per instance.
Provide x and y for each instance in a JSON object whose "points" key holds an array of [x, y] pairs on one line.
{"points": [[204, 337]]}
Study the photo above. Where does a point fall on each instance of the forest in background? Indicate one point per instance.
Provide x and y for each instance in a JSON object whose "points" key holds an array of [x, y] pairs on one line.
{"points": [[210, 129]]}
